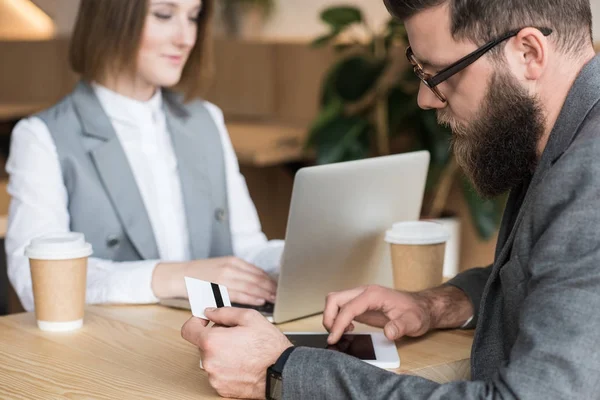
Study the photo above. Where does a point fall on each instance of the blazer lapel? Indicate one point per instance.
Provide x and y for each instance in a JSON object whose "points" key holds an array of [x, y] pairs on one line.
{"points": [[191, 166], [115, 172], [512, 207]]}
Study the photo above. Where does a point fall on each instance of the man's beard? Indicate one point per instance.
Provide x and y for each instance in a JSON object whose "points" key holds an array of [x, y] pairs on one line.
{"points": [[498, 149]]}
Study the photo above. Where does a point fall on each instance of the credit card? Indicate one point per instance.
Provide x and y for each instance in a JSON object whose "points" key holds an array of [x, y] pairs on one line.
{"points": [[203, 294]]}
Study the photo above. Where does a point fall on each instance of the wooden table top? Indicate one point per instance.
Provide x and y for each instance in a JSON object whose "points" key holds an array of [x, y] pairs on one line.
{"points": [[137, 352], [263, 145]]}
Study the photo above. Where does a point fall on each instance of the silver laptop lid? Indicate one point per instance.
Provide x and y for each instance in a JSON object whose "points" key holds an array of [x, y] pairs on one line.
{"points": [[338, 217]]}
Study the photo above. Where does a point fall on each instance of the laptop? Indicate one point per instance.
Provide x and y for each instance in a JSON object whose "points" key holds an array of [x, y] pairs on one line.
{"points": [[337, 221]]}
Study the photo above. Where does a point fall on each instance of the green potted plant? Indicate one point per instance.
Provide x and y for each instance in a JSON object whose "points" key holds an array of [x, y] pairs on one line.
{"points": [[368, 107], [245, 16]]}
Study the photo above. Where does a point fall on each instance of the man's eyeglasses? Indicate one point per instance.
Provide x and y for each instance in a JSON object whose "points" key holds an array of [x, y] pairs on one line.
{"points": [[432, 81]]}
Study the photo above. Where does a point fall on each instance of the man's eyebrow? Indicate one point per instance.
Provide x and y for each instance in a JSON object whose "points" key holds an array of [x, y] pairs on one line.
{"points": [[430, 64]]}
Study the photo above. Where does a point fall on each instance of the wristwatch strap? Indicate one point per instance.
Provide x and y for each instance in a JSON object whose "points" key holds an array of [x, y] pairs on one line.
{"points": [[280, 363], [274, 384]]}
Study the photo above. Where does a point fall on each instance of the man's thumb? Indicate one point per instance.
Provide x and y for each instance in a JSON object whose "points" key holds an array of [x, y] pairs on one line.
{"points": [[229, 316], [394, 330]]}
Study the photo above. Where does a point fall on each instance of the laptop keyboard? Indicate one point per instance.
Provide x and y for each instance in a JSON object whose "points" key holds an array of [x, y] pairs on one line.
{"points": [[266, 308]]}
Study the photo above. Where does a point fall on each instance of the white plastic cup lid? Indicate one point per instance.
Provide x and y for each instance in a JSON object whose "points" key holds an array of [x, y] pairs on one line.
{"points": [[417, 233], [58, 246]]}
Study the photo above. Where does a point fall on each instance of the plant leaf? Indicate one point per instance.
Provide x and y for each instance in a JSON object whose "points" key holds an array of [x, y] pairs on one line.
{"points": [[354, 76], [433, 175], [331, 111], [350, 78], [402, 108], [435, 137], [396, 28], [486, 214], [341, 47], [325, 39], [341, 17], [343, 139]]}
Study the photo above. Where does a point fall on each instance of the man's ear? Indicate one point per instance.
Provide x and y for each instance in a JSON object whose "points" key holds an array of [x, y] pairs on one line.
{"points": [[527, 54]]}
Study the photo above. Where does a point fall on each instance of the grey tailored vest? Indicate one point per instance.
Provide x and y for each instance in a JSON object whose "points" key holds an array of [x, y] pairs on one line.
{"points": [[103, 199]]}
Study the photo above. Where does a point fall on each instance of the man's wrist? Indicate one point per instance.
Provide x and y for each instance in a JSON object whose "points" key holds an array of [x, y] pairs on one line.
{"points": [[279, 364], [274, 378], [449, 307]]}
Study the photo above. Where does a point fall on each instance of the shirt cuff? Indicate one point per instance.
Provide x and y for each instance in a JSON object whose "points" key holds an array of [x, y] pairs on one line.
{"points": [[268, 258], [121, 282], [472, 283], [143, 277], [466, 324]]}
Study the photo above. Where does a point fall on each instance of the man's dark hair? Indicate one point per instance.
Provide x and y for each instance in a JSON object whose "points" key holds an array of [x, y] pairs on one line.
{"points": [[483, 20]]}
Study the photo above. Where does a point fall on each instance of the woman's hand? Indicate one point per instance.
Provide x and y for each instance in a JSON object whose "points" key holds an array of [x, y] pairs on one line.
{"points": [[246, 283]]}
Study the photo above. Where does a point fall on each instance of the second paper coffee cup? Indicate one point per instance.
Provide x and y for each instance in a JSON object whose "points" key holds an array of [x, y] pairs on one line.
{"points": [[417, 250], [58, 264]]}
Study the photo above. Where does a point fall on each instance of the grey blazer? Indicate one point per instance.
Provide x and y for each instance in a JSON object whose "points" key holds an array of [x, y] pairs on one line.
{"points": [[104, 201], [537, 307]]}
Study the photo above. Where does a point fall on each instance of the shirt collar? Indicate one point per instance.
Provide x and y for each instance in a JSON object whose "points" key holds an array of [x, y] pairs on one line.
{"points": [[125, 109]]}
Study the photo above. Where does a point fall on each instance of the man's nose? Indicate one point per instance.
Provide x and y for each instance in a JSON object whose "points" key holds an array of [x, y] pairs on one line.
{"points": [[428, 100]]}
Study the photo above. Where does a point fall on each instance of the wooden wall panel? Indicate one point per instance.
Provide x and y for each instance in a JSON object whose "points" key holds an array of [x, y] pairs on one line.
{"points": [[266, 81], [243, 81], [300, 71], [271, 191], [25, 71], [34, 72]]}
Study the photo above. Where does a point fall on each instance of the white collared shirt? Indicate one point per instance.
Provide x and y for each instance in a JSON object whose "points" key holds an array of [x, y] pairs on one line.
{"points": [[39, 200]]}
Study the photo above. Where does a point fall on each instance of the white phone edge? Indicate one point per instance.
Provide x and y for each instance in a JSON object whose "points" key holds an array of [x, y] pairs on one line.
{"points": [[386, 353]]}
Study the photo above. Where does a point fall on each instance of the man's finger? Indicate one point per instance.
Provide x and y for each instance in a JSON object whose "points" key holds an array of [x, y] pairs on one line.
{"points": [[232, 316], [194, 330], [373, 318], [335, 301], [407, 324], [352, 309]]}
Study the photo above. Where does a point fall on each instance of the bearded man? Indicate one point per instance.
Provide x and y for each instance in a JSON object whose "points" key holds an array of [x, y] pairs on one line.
{"points": [[519, 84]]}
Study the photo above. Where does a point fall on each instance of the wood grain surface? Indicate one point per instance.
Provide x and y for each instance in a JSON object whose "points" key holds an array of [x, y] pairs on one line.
{"points": [[136, 352]]}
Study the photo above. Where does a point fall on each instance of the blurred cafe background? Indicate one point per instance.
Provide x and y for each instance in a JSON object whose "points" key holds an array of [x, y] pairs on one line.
{"points": [[301, 82]]}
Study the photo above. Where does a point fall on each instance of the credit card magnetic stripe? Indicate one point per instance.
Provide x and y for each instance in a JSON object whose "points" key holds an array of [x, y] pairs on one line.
{"points": [[217, 293]]}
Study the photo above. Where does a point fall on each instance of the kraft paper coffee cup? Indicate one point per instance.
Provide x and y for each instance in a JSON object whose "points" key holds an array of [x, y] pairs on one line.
{"points": [[58, 264], [417, 250]]}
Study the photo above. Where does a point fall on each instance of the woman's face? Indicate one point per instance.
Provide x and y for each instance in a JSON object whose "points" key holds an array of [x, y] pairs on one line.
{"points": [[167, 40]]}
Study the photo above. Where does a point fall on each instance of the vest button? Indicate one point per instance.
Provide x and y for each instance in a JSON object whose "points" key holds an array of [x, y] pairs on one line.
{"points": [[220, 215], [112, 241]]}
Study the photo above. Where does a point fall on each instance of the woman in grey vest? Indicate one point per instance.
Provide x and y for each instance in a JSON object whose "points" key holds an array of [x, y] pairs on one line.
{"points": [[150, 179]]}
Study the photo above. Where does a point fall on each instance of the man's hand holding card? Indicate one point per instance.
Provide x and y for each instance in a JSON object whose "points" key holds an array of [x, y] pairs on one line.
{"points": [[203, 295], [218, 344]]}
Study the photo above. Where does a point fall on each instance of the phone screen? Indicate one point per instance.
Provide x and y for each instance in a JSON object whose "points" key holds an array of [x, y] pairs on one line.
{"points": [[357, 345]]}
